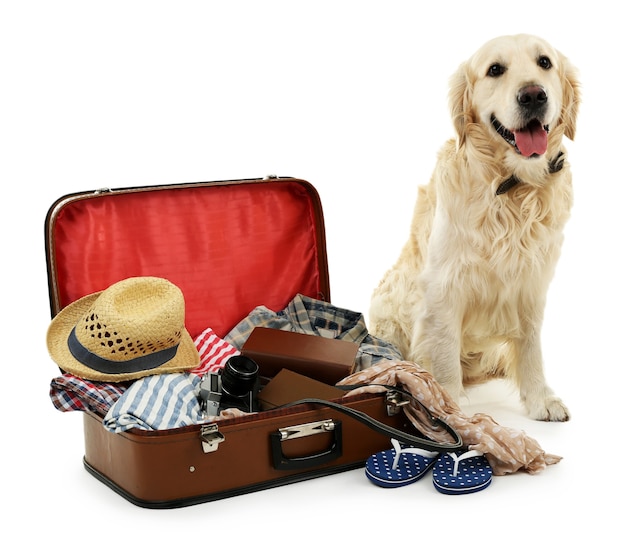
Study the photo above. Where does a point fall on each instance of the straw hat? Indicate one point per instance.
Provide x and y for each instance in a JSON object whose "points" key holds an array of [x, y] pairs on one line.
{"points": [[133, 329]]}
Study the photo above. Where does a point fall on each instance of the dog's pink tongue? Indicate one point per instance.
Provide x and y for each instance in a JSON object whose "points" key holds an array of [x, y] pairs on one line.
{"points": [[533, 140]]}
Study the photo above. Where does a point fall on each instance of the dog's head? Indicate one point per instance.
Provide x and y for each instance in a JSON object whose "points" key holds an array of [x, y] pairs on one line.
{"points": [[521, 93]]}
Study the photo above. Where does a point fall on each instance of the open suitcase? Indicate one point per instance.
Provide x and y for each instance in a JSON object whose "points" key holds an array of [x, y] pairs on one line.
{"points": [[230, 246]]}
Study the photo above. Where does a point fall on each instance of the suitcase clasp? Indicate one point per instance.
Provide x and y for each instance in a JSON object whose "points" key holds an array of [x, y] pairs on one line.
{"points": [[211, 437], [395, 400]]}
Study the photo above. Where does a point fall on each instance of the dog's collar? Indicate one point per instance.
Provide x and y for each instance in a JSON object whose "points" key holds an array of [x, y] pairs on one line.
{"points": [[555, 165]]}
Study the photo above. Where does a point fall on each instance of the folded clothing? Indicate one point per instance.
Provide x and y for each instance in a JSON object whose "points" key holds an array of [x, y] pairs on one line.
{"points": [[166, 401], [69, 392], [214, 352], [159, 402]]}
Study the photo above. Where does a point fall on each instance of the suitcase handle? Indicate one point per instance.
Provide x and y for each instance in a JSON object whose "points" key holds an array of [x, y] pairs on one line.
{"points": [[282, 462]]}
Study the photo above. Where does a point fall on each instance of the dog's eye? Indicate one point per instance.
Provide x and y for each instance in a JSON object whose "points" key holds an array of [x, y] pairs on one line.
{"points": [[496, 70], [544, 62]]}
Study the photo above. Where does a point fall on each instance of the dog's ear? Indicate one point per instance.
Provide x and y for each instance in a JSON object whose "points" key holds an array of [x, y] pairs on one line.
{"points": [[571, 96], [459, 99]]}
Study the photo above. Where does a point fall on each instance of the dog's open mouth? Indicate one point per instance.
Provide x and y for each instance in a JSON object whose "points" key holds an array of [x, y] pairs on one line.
{"points": [[532, 140]]}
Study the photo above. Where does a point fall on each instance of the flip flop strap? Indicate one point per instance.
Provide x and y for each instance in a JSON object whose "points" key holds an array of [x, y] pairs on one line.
{"points": [[463, 456], [413, 450]]}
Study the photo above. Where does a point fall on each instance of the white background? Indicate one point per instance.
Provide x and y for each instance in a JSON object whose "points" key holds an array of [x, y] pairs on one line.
{"points": [[351, 96]]}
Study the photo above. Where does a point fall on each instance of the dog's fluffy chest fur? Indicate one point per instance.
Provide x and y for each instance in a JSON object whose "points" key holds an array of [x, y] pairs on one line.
{"points": [[497, 252]]}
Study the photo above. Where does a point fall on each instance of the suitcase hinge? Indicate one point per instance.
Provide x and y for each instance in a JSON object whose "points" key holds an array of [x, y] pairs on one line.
{"points": [[211, 437]]}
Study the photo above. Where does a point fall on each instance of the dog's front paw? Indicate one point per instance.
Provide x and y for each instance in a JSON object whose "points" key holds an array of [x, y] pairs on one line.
{"points": [[550, 408]]}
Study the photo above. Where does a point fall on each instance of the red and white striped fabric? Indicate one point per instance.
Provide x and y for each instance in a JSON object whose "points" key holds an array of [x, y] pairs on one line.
{"points": [[214, 352]]}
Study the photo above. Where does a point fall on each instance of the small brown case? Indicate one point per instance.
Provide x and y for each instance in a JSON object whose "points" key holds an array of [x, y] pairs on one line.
{"points": [[288, 387], [320, 358]]}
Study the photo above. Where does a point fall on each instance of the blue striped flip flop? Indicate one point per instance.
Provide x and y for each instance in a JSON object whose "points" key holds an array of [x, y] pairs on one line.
{"points": [[461, 472], [399, 466]]}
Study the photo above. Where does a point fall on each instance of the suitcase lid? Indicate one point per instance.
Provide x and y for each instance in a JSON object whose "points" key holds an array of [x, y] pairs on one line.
{"points": [[229, 245]]}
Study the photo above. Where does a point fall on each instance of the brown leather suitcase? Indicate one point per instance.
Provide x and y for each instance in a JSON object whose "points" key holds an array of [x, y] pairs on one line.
{"points": [[230, 246]]}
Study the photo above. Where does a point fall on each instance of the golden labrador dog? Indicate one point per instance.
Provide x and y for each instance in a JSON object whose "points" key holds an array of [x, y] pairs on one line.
{"points": [[466, 297]]}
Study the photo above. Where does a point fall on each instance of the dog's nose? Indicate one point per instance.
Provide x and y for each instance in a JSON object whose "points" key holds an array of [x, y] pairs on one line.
{"points": [[532, 98]]}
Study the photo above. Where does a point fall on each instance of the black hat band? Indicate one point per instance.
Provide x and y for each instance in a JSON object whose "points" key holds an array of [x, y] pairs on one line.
{"points": [[97, 363]]}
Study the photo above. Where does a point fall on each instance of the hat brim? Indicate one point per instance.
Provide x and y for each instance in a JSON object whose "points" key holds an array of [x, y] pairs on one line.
{"points": [[63, 323]]}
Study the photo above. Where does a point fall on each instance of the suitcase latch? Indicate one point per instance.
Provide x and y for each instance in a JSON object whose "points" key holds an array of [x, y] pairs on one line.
{"points": [[395, 400], [211, 437], [306, 429]]}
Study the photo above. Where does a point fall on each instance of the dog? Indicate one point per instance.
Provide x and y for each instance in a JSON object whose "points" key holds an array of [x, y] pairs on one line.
{"points": [[466, 297]]}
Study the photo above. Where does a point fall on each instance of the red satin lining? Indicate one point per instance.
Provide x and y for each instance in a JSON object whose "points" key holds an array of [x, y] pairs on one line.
{"points": [[229, 248]]}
